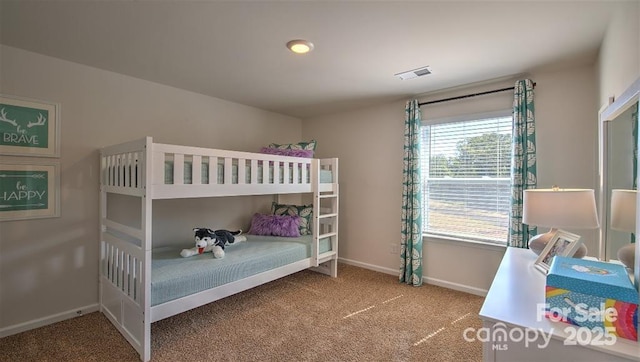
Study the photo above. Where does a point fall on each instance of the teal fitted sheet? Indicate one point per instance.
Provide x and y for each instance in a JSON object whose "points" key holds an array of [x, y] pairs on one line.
{"points": [[325, 175], [173, 276]]}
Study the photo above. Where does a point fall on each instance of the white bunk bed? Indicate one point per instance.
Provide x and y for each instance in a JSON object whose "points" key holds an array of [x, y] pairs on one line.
{"points": [[152, 171]]}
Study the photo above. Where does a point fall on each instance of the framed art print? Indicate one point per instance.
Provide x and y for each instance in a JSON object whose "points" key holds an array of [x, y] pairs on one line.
{"points": [[563, 243], [29, 127], [29, 190]]}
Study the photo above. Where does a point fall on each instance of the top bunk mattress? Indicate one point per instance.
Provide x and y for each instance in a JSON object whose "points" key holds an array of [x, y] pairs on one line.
{"points": [[173, 276]]}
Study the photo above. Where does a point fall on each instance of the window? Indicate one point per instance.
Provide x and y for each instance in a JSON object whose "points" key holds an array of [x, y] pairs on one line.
{"points": [[466, 169]]}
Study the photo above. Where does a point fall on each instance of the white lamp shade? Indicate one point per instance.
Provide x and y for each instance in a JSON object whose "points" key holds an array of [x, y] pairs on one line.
{"points": [[623, 210], [560, 208]]}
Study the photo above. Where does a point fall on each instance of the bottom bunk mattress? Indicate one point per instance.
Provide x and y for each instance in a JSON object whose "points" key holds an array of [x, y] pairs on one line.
{"points": [[173, 276]]}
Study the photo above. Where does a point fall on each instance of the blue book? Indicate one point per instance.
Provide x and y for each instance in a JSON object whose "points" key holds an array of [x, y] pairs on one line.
{"points": [[590, 277]]}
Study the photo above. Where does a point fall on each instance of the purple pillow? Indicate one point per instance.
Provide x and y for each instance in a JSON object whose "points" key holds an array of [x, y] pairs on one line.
{"points": [[275, 225], [287, 152]]}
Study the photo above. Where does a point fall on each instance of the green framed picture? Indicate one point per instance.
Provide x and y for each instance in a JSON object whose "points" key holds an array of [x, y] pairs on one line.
{"points": [[29, 190], [29, 127]]}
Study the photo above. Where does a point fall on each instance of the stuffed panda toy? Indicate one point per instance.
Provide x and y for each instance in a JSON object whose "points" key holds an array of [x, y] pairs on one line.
{"points": [[213, 241]]}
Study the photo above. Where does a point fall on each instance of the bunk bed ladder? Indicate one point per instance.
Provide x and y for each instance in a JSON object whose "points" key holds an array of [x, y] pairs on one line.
{"points": [[325, 219]]}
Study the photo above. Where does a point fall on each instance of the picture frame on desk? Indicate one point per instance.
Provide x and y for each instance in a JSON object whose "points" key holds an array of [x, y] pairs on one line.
{"points": [[563, 243]]}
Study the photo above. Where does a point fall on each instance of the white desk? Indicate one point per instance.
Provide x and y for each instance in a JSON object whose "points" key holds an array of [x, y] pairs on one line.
{"points": [[510, 309]]}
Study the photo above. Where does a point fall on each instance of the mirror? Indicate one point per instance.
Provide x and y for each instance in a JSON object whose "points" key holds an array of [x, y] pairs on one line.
{"points": [[619, 173], [616, 138]]}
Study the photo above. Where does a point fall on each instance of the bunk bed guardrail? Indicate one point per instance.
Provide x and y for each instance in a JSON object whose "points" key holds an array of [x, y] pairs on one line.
{"points": [[209, 172]]}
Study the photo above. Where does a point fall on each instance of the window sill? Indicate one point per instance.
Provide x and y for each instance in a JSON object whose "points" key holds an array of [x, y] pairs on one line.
{"points": [[463, 242]]}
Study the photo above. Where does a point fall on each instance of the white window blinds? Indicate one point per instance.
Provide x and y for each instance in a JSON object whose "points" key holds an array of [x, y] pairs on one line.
{"points": [[466, 167]]}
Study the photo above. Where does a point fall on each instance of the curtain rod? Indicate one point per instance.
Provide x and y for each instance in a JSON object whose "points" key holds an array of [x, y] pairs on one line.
{"points": [[468, 96]]}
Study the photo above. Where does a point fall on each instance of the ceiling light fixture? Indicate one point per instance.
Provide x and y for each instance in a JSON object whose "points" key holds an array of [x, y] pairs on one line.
{"points": [[300, 46]]}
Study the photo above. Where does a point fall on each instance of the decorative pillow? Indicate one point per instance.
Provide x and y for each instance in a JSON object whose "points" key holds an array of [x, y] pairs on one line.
{"points": [[304, 211], [275, 225], [287, 152], [311, 145]]}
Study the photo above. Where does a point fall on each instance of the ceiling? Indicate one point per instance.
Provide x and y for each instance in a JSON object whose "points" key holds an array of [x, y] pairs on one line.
{"points": [[236, 50]]}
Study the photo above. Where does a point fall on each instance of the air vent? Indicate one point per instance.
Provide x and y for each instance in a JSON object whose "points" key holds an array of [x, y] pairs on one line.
{"points": [[414, 73]]}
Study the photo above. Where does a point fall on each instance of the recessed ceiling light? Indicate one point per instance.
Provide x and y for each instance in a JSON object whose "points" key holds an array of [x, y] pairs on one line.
{"points": [[300, 46]]}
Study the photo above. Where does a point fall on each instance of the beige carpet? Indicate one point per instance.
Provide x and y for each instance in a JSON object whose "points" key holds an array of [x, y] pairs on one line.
{"points": [[360, 316]]}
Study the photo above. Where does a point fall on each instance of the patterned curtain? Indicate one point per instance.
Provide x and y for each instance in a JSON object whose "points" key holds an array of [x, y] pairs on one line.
{"points": [[523, 161], [411, 240]]}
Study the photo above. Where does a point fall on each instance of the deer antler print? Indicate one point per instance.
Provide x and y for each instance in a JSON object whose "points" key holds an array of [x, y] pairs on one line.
{"points": [[3, 118], [41, 121]]}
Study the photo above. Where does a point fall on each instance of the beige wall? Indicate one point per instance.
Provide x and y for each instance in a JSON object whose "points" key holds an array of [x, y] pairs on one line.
{"points": [[369, 144], [567, 133], [55, 260], [619, 59]]}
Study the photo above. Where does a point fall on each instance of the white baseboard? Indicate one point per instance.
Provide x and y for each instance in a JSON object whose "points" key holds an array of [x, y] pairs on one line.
{"points": [[433, 281], [45, 321], [455, 286], [369, 266]]}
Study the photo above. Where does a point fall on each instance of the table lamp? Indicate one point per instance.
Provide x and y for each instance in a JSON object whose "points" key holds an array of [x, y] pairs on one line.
{"points": [[559, 208], [623, 218]]}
